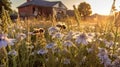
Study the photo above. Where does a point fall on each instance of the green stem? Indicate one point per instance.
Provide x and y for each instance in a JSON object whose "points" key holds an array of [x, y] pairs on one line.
{"points": [[116, 34]]}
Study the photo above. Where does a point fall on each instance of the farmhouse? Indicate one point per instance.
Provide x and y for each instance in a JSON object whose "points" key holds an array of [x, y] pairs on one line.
{"points": [[41, 7]]}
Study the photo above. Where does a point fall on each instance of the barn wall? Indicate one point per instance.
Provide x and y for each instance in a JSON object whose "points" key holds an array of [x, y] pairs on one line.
{"points": [[45, 11], [25, 11], [42, 11]]}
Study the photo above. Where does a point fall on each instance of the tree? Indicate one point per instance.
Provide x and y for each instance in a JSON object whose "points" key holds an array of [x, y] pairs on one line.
{"points": [[84, 9], [6, 4]]}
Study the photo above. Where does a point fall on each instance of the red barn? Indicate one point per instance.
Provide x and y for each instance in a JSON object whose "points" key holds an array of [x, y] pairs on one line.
{"points": [[41, 7]]}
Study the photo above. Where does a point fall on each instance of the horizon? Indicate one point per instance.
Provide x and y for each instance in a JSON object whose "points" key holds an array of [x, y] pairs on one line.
{"points": [[101, 7]]}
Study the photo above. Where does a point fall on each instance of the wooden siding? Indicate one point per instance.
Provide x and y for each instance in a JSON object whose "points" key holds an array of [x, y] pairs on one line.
{"points": [[41, 10], [26, 11]]}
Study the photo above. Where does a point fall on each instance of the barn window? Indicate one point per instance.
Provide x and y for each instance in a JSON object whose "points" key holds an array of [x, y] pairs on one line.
{"points": [[33, 9]]}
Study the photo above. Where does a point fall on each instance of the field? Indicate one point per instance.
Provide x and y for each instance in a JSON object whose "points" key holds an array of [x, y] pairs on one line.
{"points": [[69, 43]]}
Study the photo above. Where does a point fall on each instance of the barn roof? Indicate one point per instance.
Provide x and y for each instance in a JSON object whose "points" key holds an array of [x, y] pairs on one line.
{"points": [[41, 3]]}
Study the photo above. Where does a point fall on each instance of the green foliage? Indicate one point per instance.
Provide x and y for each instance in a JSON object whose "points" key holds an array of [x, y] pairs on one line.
{"points": [[6, 4], [84, 9]]}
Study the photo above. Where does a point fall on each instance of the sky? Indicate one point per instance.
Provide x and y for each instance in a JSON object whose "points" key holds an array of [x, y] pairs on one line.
{"points": [[102, 7]]}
